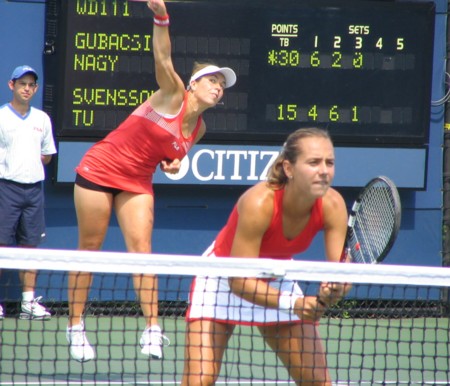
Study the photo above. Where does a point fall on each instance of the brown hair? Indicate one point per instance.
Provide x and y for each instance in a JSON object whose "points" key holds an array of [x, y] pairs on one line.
{"points": [[276, 176], [200, 65]]}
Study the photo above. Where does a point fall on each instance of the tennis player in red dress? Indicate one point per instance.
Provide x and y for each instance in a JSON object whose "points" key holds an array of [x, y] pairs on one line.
{"points": [[274, 219], [116, 173]]}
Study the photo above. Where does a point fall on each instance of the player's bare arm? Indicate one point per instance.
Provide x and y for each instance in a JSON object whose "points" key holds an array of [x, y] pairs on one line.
{"points": [[255, 209], [171, 87], [335, 231], [335, 224]]}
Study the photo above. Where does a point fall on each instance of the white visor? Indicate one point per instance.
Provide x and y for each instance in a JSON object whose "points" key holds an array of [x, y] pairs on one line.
{"points": [[228, 73]]}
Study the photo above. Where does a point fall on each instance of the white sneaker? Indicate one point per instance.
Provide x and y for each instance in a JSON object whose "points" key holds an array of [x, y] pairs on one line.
{"points": [[80, 349], [34, 311], [152, 341], [2, 315]]}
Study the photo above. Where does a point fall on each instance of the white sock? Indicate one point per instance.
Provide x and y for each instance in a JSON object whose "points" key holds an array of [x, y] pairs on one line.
{"points": [[28, 296], [76, 327], [155, 328]]}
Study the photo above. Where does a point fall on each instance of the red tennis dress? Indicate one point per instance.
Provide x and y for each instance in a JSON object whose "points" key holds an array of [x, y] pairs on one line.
{"points": [[128, 156]]}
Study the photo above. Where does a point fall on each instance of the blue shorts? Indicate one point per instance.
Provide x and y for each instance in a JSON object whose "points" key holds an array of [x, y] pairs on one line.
{"points": [[21, 213]]}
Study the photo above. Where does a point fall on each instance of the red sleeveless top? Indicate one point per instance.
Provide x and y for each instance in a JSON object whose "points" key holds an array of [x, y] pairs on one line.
{"points": [[274, 244], [128, 156]]}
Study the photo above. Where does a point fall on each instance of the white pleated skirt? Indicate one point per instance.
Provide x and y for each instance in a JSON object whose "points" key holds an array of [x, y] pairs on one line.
{"points": [[211, 298]]}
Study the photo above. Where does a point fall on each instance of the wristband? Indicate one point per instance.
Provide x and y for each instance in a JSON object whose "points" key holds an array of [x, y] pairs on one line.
{"points": [[286, 302], [321, 302], [161, 22]]}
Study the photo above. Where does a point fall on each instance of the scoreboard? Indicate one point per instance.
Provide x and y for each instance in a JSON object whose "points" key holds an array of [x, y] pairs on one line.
{"points": [[361, 69]]}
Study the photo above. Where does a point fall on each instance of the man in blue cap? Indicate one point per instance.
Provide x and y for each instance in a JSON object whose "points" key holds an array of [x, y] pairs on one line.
{"points": [[26, 145]]}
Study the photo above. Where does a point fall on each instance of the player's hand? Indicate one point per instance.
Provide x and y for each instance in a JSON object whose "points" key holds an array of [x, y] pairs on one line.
{"points": [[169, 166], [158, 7], [307, 309], [332, 293]]}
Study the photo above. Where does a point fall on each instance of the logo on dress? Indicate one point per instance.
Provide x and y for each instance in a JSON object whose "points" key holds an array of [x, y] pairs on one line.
{"points": [[176, 146]]}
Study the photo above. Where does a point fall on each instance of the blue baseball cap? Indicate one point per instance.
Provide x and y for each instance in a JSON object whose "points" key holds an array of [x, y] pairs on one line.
{"points": [[21, 71]]}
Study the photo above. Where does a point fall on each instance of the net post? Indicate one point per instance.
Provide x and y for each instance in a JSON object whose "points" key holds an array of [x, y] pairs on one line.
{"points": [[446, 207]]}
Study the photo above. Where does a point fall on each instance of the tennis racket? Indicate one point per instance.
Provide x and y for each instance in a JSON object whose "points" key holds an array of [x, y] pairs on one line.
{"points": [[374, 222]]}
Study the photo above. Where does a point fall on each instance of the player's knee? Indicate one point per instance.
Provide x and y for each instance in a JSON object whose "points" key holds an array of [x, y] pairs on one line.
{"points": [[91, 244]]}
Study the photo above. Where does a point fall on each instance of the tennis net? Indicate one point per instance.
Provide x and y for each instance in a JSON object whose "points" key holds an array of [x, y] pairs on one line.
{"points": [[392, 328]]}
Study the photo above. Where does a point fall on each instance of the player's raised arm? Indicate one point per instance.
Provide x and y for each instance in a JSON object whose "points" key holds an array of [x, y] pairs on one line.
{"points": [[168, 80]]}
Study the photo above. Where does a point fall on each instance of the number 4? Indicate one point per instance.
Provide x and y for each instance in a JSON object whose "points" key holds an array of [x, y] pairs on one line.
{"points": [[379, 44], [312, 112]]}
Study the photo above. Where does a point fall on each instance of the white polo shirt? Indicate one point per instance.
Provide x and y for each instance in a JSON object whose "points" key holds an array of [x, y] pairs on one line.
{"points": [[22, 142]]}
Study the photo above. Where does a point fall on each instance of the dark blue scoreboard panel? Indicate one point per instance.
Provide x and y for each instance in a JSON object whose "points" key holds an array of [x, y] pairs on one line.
{"points": [[361, 69]]}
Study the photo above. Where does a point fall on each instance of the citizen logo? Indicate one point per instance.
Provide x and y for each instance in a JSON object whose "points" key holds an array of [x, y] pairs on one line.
{"points": [[218, 164]]}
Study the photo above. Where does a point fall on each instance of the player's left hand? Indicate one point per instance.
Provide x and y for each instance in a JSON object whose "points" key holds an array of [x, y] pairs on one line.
{"points": [[332, 293], [170, 166]]}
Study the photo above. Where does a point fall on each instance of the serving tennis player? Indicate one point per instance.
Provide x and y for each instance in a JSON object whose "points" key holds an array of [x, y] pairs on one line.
{"points": [[116, 174]]}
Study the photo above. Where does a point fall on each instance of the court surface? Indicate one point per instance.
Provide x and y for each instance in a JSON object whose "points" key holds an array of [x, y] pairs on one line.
{"points": [[360, 352]]}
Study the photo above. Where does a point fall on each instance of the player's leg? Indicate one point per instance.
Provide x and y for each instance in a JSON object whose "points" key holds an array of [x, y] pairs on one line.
{"points": [[206, 342], [93, 209], [135, 214], [300, 349]]}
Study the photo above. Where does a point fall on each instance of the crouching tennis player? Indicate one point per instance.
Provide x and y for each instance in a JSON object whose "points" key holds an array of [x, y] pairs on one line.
{"points": [[273, 219]]}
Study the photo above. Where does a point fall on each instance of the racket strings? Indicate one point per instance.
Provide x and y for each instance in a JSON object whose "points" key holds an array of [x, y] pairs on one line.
{"points": [[375, 221]]}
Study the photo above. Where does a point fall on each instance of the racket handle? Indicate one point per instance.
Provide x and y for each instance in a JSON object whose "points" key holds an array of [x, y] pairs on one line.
{"points": [[344, 255]]}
